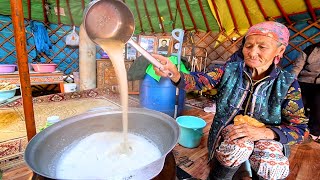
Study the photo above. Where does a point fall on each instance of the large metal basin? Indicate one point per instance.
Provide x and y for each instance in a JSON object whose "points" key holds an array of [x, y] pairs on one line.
{"points": [[46, 147]]}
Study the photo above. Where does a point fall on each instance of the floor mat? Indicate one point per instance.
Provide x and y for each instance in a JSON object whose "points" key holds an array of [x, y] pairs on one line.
{"points": [[199, 102]]}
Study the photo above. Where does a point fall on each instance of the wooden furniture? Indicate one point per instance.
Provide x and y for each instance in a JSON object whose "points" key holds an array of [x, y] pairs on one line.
{"points": [[35, 78], [106, 76]]}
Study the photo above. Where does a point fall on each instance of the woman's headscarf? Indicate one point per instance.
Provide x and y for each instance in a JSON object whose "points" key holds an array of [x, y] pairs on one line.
{"points": [[274, 30]]}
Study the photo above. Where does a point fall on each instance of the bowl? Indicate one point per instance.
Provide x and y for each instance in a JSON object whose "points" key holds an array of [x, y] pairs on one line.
{"points": [[7, 68], [7, 94], [44, 67]]}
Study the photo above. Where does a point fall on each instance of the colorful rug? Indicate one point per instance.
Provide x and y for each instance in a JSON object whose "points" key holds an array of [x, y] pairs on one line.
{"points": [[12, 125]]}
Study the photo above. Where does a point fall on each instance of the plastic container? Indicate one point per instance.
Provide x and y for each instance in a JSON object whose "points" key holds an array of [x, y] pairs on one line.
{"points": [[7, 94], [191, 131], [160, 96], [44, 67], [70, 87], [51, 120], [7, 68]]}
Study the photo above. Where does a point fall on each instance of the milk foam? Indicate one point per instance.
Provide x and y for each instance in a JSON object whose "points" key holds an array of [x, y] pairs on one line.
{"points": [[99, 156]]}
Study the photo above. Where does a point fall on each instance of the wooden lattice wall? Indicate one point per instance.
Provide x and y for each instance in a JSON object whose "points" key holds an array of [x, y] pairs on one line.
{"points": [[302, 34], [65, 56]]}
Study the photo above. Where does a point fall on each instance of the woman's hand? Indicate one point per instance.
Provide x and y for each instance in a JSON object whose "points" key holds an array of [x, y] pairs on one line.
{"points": [[167, 65], [245, 132]]}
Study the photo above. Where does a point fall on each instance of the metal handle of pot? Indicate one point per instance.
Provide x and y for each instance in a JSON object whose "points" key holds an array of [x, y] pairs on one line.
{"points": [[150, 58]]}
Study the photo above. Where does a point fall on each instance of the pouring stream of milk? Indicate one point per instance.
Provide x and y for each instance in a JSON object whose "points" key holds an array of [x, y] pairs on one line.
{"points": [[114, 49]]}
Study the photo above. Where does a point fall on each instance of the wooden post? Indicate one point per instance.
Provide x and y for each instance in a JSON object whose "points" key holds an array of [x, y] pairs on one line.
{"points": [[87, 61], [22, 57]]}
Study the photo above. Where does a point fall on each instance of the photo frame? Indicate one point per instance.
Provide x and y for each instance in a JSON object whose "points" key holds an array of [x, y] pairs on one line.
{"points": [[175, 46], [164, 45], [148, 43], [131, 52]]}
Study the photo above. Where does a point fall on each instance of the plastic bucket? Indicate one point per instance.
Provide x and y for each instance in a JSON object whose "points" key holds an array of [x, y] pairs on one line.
{"points": [[190, 130], [160, 96]]}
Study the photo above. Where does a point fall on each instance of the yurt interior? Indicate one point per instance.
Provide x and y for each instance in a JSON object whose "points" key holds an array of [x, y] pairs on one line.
{"points": [[72, 69]]}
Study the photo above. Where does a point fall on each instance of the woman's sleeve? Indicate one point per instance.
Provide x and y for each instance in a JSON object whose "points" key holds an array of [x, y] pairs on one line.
{"points": [[200, 80], [293, 128], [299, 63]]}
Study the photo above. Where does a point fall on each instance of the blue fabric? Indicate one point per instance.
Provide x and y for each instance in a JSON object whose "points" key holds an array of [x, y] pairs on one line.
{"points": [[41, 38]]}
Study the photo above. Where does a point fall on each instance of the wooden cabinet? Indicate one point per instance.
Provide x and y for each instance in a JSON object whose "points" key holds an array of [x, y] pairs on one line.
{"points": [[106, 76]]}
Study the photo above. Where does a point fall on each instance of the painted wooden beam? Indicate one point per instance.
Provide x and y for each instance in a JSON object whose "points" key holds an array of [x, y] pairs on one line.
{"points": [[29, 9], [233, 17], [246, 10], [69, 12], [262, 10], [217, 14], [204, 16], [283, 12], [58, 11], [181, 14], [311, 10], [191, 16], [137, 8], [22, 56], [45, 16], [148, 15], [170, 13], [159, 16]]}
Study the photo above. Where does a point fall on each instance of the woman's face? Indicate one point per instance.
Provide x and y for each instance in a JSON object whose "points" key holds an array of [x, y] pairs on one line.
{"points": [[259, 51]]}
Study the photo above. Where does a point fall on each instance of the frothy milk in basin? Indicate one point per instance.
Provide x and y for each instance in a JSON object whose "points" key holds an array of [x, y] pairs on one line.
{"points": [[100, 156]]}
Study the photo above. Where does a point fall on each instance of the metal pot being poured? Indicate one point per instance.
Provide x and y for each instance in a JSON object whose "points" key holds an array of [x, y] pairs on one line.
{"points": [[109, 20], [45, 149]]}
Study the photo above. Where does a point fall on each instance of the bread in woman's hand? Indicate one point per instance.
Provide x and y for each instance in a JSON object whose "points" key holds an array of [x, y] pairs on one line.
{"points": [[240, 119]]}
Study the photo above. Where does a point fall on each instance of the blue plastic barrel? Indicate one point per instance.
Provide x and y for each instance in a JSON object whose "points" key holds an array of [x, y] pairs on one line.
{"points": [[160, 96]]}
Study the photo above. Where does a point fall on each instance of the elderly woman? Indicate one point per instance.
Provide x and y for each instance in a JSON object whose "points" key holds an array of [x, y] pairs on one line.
{"points": [[251, 84]]}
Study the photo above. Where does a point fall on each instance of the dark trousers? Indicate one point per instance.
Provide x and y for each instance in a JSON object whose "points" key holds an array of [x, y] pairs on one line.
{"points": [[311, 100], [221, 172]]}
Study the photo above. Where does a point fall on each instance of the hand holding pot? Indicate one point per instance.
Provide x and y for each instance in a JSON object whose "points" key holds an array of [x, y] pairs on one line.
{"points": [[167, 66]]}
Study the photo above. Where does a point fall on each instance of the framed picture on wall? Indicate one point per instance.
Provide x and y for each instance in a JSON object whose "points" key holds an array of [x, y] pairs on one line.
{"points": [[175, 46], [164, 45], [131, 52], [148, 43]]}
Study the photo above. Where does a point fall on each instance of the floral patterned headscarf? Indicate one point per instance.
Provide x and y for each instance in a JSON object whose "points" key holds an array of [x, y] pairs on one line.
{"points": [[274, 30]]}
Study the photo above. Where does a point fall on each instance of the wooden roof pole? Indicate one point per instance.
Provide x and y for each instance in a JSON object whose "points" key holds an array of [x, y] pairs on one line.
{"points": [[159, 16], [181, 14], [170, 13], [311, 11], [246, 10], [22, 56], [233, 17], [58, 11], [284, 14], [217, 14], [262, 10], [137, 8], [191, 16], [204, 16], [148, 15], [29, 9]]}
